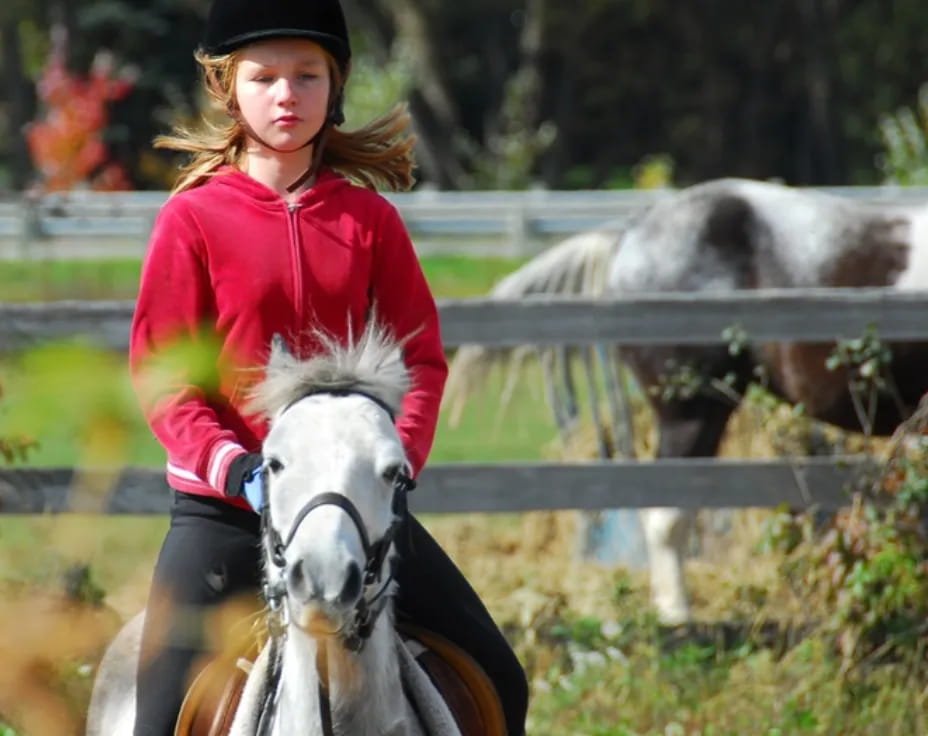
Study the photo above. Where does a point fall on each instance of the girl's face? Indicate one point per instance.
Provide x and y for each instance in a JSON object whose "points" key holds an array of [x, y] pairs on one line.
{"points": [[282, 90]]}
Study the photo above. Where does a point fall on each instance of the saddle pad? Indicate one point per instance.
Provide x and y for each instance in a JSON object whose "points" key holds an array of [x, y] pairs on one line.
{"points": [[467, 690]]}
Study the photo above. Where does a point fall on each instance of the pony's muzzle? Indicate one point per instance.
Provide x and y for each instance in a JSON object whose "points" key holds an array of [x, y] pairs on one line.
{"points": [[333, 592]]}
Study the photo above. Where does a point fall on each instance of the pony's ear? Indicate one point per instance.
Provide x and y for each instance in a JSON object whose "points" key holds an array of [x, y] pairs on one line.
{"points": [[394, 359], [280, 351]]}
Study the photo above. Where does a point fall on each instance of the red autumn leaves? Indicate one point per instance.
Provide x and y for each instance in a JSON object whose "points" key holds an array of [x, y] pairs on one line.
{"points": [[67, 144]]}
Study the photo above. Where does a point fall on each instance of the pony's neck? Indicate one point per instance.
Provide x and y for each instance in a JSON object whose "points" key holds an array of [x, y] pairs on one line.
{"points": [[365, 691]]}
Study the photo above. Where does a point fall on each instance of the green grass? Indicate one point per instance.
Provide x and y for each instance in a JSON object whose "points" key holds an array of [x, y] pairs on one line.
{"points": [[462, 276], [23, 281], [26, 281]]}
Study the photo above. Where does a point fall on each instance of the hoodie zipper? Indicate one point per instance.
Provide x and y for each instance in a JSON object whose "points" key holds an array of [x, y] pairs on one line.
{"points": [[293, 211]]}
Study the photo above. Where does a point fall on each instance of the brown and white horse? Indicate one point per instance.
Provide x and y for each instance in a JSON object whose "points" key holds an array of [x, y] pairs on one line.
{"points": [[724, 235]]}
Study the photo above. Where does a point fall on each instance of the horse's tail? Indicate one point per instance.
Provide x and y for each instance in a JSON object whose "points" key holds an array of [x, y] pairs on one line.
{"points": [[577, 266]]}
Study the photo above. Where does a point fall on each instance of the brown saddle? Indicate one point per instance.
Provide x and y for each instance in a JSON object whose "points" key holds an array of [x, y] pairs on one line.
{"points": [[212, 699]]}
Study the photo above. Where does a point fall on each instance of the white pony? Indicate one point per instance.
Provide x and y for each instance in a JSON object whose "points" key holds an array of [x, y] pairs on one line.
{"points": [[720, 236], [337, 480]]}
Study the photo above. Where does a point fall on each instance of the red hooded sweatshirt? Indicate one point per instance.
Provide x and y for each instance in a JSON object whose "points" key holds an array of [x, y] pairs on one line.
{"points": [[229, 264]]}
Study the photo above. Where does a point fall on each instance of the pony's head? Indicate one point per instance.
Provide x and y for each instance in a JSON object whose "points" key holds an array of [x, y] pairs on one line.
{"points": [[336, 478]]}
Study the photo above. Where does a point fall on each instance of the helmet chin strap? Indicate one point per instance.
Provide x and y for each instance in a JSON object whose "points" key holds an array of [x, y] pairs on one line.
{"points": [[335, 116], [318, 142]]}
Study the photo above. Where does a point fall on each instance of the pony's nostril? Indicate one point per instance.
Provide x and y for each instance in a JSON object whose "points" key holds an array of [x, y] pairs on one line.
{"points": [[301, 586], [351, 591]]}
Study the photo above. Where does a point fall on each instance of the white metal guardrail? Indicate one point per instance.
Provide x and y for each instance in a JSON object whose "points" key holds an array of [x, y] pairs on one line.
{"points": [[520, 223]]}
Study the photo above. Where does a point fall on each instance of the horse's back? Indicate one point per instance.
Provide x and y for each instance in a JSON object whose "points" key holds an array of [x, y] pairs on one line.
{"points": [[699, 238], [112, 702], [741, 234]]}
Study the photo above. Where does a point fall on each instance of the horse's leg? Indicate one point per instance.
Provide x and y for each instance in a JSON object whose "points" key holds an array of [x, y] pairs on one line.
{"points": [[546, 358], [691, 428], [618, 401]]}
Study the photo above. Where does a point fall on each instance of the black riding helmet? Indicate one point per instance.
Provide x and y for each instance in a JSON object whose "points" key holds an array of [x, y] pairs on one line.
{"points": [[233, 23]]}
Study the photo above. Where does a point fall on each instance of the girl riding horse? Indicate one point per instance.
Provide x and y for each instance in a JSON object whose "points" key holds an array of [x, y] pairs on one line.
{"points": [[265, 234]]}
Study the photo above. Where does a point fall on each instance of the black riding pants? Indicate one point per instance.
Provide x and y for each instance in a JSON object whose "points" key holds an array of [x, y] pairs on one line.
{"points": [[211, 555]]}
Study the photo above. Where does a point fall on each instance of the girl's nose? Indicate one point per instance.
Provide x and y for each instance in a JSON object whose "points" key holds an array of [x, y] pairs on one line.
{"points": [[285, 91]]}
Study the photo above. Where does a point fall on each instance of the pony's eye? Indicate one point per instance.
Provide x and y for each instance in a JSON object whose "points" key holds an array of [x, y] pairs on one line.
{"points": [[274, 465], [391, 472]]}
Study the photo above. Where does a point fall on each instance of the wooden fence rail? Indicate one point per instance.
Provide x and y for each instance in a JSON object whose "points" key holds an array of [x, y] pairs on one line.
{"points": [[793, 315], [798, 315], [465, 487]]}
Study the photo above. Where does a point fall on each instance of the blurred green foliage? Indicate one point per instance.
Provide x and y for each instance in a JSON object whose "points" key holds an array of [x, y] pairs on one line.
{"points": [[868, 568], [375, 88], [904, 160], [627, 676], [71, 395]]}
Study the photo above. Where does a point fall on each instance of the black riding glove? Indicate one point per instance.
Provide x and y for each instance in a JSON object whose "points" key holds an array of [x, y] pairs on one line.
{"points": [[244, 478]]}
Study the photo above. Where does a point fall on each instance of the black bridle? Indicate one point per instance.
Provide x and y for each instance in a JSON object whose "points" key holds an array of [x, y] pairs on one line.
{"points": [[366, 610], [375, 553]]}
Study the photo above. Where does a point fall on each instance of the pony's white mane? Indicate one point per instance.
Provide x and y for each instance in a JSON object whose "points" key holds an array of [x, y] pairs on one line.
{"points": [[373, 365]]}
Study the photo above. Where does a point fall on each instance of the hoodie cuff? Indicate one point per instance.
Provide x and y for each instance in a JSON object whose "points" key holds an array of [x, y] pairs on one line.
{"points": [[222, 457]]}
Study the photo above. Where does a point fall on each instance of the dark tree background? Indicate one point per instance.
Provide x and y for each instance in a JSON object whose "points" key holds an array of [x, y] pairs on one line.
{"points": [[153, 37], [566, 94]]}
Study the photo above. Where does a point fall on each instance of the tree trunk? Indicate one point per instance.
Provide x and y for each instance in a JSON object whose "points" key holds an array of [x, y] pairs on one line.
{"points": [[430, 101], [821, 161], [432, 104], [21, 106]]}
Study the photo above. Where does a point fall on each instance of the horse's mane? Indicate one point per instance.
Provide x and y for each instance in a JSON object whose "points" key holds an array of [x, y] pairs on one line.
{"points": [[373, 365]]}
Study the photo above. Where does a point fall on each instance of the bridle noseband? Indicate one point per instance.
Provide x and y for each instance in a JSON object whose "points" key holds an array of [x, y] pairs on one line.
{"points": [[375, 554], [366, 610]]}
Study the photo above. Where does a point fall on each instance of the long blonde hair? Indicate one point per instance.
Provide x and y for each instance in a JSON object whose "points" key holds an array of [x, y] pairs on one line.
{"points": [[377, 155]]}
